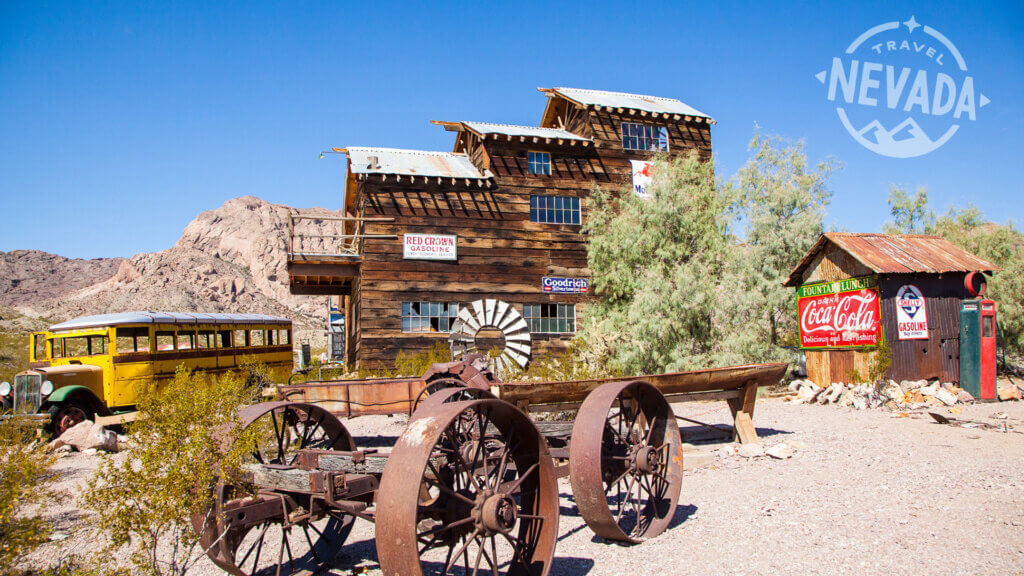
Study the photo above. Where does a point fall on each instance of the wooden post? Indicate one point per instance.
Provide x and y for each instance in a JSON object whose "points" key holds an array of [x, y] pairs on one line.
{"points": [[742, 409]]}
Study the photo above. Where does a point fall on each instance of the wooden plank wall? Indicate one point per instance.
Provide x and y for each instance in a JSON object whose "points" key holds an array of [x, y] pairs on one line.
{"points": [[939, 355], [501, 253]]}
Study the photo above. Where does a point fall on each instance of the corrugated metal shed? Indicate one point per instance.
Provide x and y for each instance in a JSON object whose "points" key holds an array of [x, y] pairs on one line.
{"points": [[897, 254], [411, 163], [529, 131], [658, 104], [149, 317]]}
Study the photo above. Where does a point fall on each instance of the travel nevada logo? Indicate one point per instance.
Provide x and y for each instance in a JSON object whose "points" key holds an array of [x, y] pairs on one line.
{"points": [[902, 89]]}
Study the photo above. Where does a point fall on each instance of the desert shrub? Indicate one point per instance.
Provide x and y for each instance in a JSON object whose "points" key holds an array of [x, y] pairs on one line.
{"points": [[24, 485], [187, 438], [417, 363], [13, 354]]}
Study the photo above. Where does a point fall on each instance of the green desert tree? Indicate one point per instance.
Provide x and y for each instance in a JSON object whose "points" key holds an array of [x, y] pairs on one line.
{"points": [[656, 263], [1000, 244], [780, 203]]}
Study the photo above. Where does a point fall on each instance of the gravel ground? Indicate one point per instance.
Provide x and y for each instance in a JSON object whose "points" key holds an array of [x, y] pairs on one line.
{"points": [[869, 493]]}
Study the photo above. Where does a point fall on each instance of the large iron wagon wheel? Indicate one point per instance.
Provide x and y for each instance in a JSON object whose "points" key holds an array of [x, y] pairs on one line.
{"points": [[626, 461], [247, 533], [445, 390], [468, 489]]}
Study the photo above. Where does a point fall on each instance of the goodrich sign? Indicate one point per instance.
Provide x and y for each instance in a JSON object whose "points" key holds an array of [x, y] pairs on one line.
{"points": [[842, 314]]}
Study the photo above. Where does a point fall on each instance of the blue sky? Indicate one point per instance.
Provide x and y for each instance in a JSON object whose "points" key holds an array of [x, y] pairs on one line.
{"points": [[120, 123]]}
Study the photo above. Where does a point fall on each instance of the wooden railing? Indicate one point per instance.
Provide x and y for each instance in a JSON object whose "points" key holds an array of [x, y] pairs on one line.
{"points": [[302, 245]]}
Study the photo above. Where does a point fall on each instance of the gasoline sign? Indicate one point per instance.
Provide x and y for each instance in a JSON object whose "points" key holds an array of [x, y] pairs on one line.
{"points": [[429, 247], [911, 315]]}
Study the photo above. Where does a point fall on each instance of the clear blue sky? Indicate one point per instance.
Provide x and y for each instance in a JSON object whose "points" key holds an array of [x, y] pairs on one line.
{"points": [[120, 123]]}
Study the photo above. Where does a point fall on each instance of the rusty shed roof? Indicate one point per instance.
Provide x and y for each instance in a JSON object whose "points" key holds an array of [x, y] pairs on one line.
{"points": [[896, 254]]}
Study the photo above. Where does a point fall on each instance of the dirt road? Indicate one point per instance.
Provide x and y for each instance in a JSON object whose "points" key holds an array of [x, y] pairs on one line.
{"points": [[869, 494]]}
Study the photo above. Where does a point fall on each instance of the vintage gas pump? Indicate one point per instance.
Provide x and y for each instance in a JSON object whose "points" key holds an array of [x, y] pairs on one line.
{"points": [[978, 348]]}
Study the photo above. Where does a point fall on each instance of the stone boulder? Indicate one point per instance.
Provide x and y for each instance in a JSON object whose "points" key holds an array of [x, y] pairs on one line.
{"points": [[87, 435]]}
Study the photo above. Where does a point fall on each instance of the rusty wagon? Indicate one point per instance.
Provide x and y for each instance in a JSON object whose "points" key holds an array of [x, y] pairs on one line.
{"points": [[470, 486]]}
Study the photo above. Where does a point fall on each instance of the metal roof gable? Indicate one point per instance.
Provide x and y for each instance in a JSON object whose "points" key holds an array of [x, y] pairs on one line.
{"points": [[586, 97], [896, 254]]}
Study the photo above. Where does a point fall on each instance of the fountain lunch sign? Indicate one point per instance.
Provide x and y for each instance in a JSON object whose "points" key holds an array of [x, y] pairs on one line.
{"points": [[902, 89], [841, 314]]}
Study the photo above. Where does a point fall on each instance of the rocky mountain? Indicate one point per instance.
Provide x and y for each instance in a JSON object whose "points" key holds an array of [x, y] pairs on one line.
{"points": [[231, 259]]}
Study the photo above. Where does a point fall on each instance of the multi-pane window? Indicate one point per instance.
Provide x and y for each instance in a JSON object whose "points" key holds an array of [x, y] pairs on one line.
{"points": [[428, 316], [644, 137], [539, 163], [555, 209], [550, 318]]}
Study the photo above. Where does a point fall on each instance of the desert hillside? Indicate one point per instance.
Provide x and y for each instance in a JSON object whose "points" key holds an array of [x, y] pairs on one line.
{"points": [[231, 259]]}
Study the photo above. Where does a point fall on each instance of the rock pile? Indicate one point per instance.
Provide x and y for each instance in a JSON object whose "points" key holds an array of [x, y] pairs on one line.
{"points": [[905, 395]]}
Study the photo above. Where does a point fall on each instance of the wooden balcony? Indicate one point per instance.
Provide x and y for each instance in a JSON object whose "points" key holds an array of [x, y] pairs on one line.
{"points": [[326, 264]]}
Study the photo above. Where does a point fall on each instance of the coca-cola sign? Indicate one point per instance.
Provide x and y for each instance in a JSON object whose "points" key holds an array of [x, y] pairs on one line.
{"points": [[841, 314]]}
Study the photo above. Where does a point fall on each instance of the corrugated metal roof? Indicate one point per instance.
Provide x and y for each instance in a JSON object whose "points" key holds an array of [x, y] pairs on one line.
{"points": [[149, 317], [624, 100], [411, 163], [529, 131], [897, 254]]}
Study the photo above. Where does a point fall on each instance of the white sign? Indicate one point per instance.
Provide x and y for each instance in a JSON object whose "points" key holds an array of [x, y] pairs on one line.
{"points": [[911, 315], [429, 247], [641, 177]]}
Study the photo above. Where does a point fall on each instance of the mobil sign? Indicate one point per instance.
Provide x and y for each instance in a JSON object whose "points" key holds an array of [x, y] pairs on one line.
{"points": [[565, 285], [841, 314], [429, 247], [911, 315]]}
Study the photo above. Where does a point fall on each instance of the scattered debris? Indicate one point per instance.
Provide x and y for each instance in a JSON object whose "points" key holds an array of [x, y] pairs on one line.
{"points": [[1009, 393], [751, 450], [781, 451], [901, 396]]}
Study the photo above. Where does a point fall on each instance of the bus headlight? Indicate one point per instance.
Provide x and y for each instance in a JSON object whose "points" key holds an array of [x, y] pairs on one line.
{"points": [[5, 388], [46, 388]]}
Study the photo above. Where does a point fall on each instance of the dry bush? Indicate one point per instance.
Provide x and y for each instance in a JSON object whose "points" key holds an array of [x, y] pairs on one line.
{"points": [[24, 485], [187, 439]]}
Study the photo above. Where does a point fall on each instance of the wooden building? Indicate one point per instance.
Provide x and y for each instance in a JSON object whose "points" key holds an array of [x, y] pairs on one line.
{"points": [[926, 274], [499, 217]]}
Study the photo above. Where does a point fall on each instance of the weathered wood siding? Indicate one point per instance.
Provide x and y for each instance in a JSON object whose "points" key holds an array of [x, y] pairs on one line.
{"points": [[501, 253]]}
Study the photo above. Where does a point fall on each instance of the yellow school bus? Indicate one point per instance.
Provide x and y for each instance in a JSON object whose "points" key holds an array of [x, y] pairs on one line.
{"points": [[93, 366]]}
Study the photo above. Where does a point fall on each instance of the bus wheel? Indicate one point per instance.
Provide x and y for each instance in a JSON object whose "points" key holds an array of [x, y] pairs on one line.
{"points": [[64, 416]]}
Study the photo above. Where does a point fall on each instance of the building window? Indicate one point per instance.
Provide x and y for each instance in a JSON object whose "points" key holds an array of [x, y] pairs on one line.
{"points": [[429, 316], [644, 137], [550, 318], [555, 209], [539, 163]]}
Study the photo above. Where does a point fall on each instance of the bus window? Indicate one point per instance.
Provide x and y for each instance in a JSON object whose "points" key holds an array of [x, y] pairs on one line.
{"points": [[132, 340], [241, 338], [269, 335], [58, 347], [164, 340], [256, 338], [97, 345], [39, 346], [186, 340], [224, 339], [76, 346], [284, 336], [206, 339]]}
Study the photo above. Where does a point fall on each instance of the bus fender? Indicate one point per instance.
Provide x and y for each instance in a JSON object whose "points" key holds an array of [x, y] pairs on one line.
{"points": [[75, 393]]}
